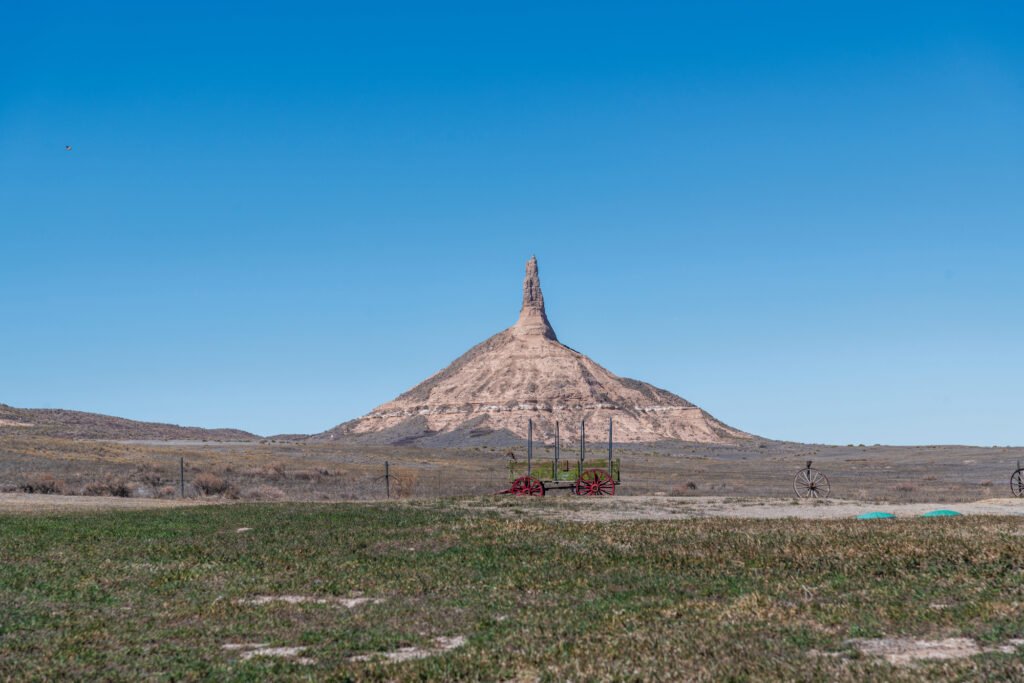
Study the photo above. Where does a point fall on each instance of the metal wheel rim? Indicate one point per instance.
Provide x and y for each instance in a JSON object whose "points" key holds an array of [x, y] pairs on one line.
{"points": [[810, 483], [527, 486], [1017, 483], [595, 483]]}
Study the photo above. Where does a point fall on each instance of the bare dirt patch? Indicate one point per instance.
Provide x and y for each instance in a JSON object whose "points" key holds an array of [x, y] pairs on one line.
{"points": [[248, 651], [31, 502], [617, 508], [442, 644], [908, 651], [350, 603]]}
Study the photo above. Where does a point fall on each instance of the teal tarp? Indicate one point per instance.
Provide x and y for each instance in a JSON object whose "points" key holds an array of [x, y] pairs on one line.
{"points": [[876, 515], [941, 513]]}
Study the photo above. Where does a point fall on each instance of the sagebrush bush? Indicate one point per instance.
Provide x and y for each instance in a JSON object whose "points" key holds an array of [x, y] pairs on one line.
{"points": [[210, 484], [263, 492], [44, 483], [109, 486], [151, 477], [403, 485], [682, 489], [273, 470]]}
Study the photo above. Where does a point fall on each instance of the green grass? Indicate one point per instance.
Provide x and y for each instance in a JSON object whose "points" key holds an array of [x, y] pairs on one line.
{"points": [[151, 595]]}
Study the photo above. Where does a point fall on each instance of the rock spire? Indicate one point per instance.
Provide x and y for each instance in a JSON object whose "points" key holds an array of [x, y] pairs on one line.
{"points": [[533, 320]]}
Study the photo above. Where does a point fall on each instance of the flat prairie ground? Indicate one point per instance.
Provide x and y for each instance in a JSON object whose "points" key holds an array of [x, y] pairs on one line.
{"points": [[327, 471], [505, 590]]}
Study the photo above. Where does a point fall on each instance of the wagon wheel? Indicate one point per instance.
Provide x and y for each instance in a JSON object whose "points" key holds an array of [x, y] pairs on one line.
{"points": [[595, 483], [810, 483], [1017, 483], [527, 486]]}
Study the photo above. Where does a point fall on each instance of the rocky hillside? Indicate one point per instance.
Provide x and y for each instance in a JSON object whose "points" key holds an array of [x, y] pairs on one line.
{"points": [[71, 424]]}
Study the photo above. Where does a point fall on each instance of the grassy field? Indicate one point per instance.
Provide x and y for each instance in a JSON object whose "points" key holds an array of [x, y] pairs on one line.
{"points": [[498, 593]]}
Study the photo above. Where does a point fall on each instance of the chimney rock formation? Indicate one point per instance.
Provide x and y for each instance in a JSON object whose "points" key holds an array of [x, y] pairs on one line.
{"points": [[532, 318], [525, 372]]}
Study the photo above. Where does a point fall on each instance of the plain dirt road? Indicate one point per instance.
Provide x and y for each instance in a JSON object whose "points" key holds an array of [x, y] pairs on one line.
{"points": [[38, 502], [692, 507]]}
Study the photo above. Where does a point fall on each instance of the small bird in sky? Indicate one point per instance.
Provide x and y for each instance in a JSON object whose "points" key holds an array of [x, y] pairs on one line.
{"points": [[67, 148]]}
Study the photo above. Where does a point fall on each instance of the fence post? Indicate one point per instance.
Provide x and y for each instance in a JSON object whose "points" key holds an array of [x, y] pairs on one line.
{"points": [[181, 476], [387, 478], [583, 446], [558, 439], [529, 448], [610, 471]]}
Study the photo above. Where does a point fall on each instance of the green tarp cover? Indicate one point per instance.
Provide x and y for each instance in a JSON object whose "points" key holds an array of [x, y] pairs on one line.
{"points": [[876, 515], [941, 513]]}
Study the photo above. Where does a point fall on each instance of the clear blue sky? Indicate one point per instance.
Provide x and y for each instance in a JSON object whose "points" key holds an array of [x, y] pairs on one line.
{"points": [[807, 218]]}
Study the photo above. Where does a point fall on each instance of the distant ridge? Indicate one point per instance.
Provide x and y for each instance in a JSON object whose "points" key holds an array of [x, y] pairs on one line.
{"points": [[72, 424], [525, 373]]}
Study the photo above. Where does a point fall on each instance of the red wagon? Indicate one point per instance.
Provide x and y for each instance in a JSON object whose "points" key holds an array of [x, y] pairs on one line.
{"points": [[583, 477]]}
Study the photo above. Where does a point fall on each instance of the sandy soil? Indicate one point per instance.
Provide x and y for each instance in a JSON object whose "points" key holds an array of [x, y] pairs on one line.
{"points": [[664, 508], [579, 509], [908, 651], [37, 502]]}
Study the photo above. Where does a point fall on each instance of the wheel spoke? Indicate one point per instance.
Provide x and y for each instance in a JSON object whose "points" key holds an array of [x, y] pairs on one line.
{"points": [[810, 483]]}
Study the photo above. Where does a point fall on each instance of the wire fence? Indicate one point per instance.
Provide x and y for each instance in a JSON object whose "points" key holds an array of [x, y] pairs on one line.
{"points": [[918, 480]]}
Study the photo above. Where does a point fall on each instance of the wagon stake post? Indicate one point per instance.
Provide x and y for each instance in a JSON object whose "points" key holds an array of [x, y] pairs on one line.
{"points": [[583, 445], [610, 471], [529, 447], [554, 470]]}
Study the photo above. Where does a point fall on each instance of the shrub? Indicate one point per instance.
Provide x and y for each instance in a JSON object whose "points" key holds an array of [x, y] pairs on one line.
{"points": [[682, 490], [404, 485], [151, 477], [263, 492], [167, 492], [44, 483], [273, 470], [210, 484], [110, 486]]}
